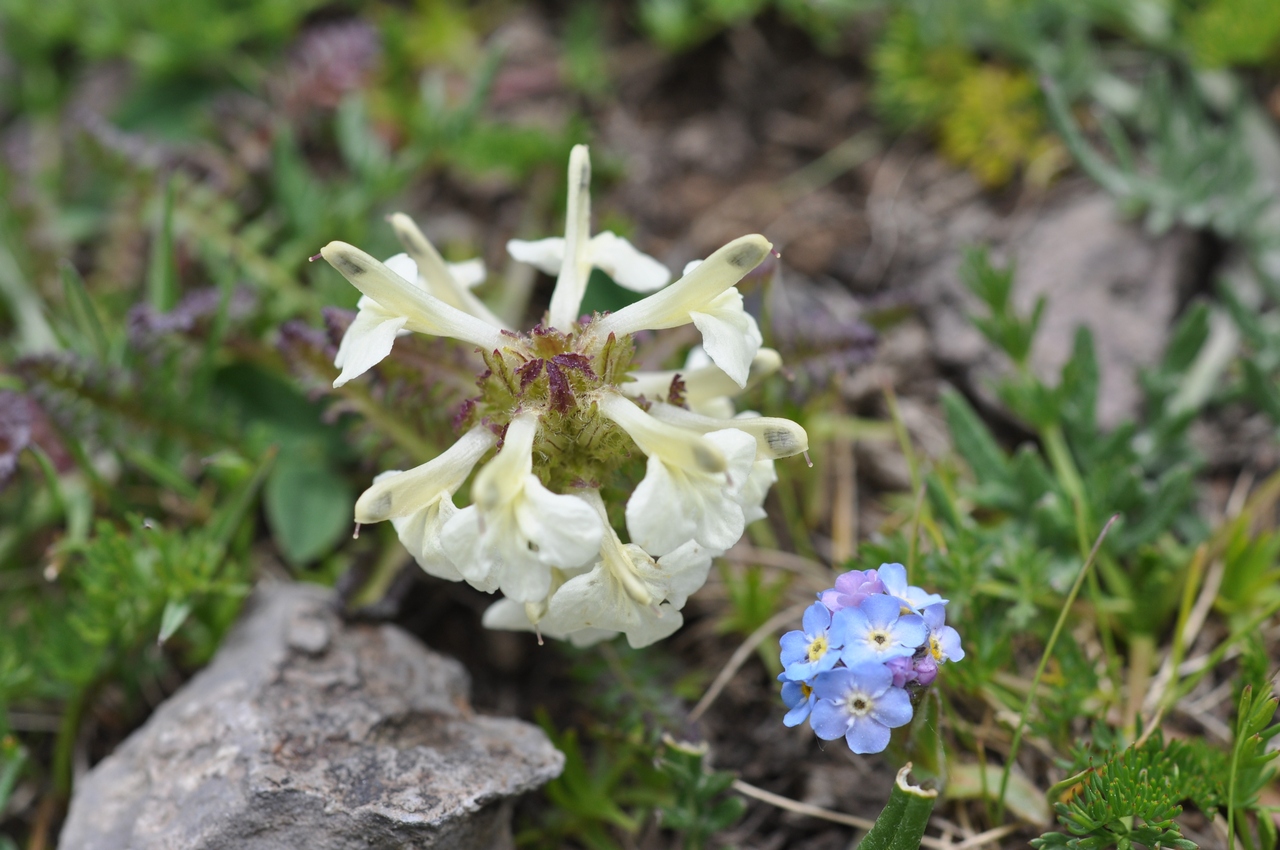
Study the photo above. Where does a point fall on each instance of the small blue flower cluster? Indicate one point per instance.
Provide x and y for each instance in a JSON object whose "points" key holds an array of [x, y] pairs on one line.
{"points": [[864, 641]]}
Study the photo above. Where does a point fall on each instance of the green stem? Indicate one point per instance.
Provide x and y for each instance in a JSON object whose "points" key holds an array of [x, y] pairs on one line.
{"points": [[1044, 661], [901, 824]]}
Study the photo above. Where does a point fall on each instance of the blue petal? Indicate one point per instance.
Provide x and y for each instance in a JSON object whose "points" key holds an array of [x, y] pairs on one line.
{"points": [[935, 616], [910, 631], [867, 736], [834, 684], [881, 610], [949, 640], [793, 694], [799, 713], [892, 708], [817, 618], [894, 578], [873, 678], [795, 646], [828, 720], [846, 624]]}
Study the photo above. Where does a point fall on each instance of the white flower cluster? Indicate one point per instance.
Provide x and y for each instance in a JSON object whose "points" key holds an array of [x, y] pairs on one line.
{"points": [[559, 416]]}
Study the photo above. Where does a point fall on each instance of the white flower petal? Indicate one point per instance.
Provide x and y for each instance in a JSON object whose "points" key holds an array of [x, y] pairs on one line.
{"points": [[675, 504], [509, 615], [706, 387], [469, 273], [677, 446], [730, 334], [460, 538], [685, 568], [575, 270], [527, 529], [545, 255], [437, 276], [426, 314], [670, 307], [775, 437], [403, 265], [420, 534], [753, 493], [597, 600], [690, 266], [367, 342], [659, 518], [399, 494], [628, 266]]}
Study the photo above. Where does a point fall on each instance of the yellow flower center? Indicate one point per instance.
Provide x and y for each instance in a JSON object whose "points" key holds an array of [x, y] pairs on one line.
{"points": [[805, 690], [858, 704], [879, 640], [935, 649], [818, 648]]}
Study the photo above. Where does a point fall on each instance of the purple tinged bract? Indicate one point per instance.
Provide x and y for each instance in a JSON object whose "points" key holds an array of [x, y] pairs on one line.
{"points": [[860, 704]]}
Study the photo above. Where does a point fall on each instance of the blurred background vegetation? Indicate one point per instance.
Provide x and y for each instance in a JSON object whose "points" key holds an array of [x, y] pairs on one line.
{"points": [[168, 434]]}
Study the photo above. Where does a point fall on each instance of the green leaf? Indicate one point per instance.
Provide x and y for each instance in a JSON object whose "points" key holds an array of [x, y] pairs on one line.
{"points": [[175, 614], [974, 440], [162, 271], [308, 508]]}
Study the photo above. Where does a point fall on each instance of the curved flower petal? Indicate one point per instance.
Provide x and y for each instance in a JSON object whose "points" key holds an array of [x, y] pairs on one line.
{"points": [[545, 255], [575, 269], [775, 438], [509, 615], [671, 307], [438, 276], [629, 267], [675, 503], [730, 334], [753, 493], [706, 386], [679, 446], [399, 494], [468, 273], [367, 342], [517, 529], [419, 533], [426, 314]]}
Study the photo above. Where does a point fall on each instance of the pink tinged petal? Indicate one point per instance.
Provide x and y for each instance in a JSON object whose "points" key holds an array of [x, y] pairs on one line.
{"points": [[671, 307], [426, 314], [437, 275], [926, 670], [903, 670], [629, 267], [730, 334], [566, 298], [866, 736], [398, 494], [366, 343]]}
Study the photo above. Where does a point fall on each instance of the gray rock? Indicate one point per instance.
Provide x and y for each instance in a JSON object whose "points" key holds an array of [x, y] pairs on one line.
{"points": [[1094, 269], [306, 732]]}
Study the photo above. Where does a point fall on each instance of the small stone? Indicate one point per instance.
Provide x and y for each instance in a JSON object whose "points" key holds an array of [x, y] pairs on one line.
{"points": [[309, 732]]}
